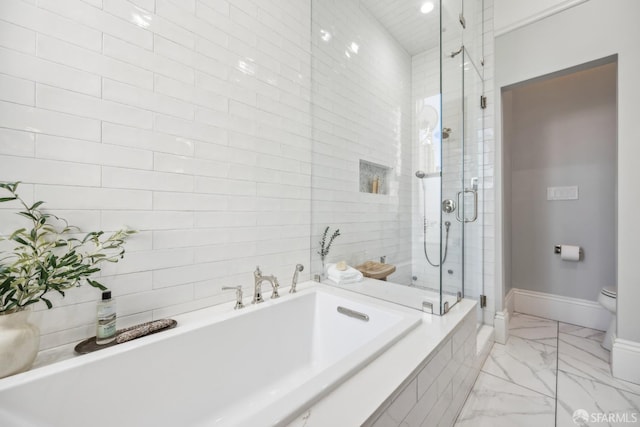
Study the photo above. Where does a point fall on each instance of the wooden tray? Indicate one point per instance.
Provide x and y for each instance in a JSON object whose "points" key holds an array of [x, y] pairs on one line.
{"points": [[127, 334], [376, 270]]}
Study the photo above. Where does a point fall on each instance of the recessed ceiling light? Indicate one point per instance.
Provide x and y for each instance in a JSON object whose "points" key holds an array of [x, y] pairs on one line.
{"points": [[426, 7]]}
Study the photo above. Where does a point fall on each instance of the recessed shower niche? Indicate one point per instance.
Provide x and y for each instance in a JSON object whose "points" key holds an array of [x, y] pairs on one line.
{"points": [[374, 178]]}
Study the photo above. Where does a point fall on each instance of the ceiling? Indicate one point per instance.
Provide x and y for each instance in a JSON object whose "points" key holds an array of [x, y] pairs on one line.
{"points": [[415, 31]]}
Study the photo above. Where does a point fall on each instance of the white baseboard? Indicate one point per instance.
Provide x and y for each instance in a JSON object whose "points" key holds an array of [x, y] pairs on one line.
{"points": [[625, 359], [588, 314], [501, 326]]}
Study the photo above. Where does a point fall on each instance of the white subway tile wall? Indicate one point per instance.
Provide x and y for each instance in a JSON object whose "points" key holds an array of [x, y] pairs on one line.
{"points": [[362, 111], [425, 74], [188, 121], [191, 122]]}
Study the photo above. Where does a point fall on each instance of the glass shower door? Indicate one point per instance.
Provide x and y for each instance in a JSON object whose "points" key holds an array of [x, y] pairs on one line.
{"points": [[462, 151], [472, 197], [452, 137]]}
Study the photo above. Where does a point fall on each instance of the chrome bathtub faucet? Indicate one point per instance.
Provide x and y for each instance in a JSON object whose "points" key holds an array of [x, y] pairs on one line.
{"points": [[257, 289], [238, 290], [294, 281]]}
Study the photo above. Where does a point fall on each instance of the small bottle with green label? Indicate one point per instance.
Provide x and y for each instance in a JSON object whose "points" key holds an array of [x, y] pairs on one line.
{"points": [[106, 327]]}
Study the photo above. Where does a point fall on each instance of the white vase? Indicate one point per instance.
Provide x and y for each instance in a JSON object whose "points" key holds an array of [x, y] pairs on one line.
{"points": [[19, 343]]}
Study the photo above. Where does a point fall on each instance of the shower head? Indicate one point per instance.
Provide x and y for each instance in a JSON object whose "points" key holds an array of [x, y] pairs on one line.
{"points": [[420, 174]]}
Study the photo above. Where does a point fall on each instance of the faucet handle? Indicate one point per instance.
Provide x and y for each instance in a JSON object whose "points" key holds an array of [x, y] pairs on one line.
{"points": [[275, 294], [257, 273], [238, 290]]}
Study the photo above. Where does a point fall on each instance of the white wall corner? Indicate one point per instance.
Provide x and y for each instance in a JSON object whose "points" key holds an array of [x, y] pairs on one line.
{"points": [[625, 359], [501, 319], [509, 302], [501, 326]]}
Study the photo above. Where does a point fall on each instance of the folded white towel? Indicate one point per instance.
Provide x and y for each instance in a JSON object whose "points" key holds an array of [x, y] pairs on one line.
{"points": [[346, 281], [349, 273], [343, 277]]}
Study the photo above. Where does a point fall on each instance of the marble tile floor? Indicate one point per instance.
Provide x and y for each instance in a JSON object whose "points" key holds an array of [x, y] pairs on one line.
{"points": [[549, 374]]}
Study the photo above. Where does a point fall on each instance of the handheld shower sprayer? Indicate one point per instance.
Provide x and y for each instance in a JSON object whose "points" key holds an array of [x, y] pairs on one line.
{"points": [[294, 281], [420, 174]]}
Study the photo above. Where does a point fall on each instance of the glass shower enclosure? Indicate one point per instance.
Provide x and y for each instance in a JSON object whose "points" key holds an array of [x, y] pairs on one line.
{"points": [[397, 157]]}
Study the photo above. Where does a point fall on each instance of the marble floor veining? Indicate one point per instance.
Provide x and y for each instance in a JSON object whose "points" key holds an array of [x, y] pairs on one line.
{"points": [[549, 373]]}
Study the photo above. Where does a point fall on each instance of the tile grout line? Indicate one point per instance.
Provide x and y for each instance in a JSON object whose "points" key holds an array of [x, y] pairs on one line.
{"points": [[524, 386], [516, 384], [592, 379]]}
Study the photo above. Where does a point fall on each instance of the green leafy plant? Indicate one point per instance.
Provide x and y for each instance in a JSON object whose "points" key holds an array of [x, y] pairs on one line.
{"points": [[324, 246], [48, 257]]}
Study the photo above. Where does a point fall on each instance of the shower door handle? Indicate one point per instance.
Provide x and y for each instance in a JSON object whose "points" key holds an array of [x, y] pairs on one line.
{"points": [[462, 194]]}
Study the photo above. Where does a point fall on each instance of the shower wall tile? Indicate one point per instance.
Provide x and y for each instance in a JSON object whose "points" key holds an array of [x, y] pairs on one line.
{"points": [[188, 121], [17, 143], [99, 20], [44, 171], [29, 67], [151, 141], [75, 150], [361, 86], [37, 120], [425, 70], [66, 101], [45, 22], [91, 61], [18, 38], [60, 197], [17, 90]]}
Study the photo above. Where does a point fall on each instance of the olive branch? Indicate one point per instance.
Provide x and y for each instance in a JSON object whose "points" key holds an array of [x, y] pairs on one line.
{"points": [[324, 246], [48, 257]]}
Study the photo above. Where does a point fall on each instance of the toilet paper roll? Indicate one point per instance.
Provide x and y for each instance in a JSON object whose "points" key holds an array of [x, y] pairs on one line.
{"points": [[570, 253]]}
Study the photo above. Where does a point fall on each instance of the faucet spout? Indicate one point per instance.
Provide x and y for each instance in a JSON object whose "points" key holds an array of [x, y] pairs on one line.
{"points": [[257, 289], [274, 285]]}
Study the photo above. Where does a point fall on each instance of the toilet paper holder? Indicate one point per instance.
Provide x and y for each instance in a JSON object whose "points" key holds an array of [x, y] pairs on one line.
{"points": [[557, 249]]}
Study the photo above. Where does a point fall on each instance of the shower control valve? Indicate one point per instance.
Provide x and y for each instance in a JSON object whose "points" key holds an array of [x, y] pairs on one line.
{"points": [[448, 206]]}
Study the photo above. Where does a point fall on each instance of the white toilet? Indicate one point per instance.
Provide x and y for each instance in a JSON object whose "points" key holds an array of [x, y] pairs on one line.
{"points": [[607, 299]]}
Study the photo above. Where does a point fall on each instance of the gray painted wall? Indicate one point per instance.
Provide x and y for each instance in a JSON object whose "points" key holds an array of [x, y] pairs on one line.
{"points": [[562, 132], [507, 119]]}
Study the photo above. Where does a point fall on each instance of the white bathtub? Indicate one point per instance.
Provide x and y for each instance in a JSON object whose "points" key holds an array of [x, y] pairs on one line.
{"points": [[259, 366]]}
